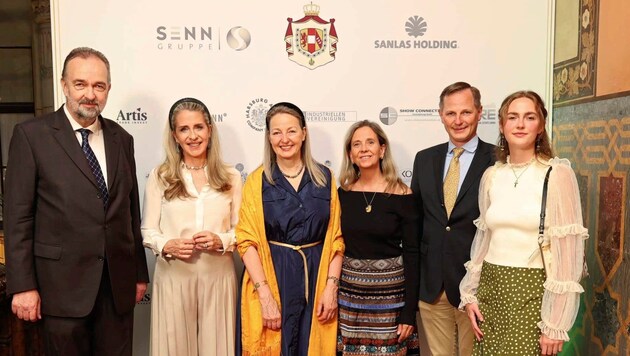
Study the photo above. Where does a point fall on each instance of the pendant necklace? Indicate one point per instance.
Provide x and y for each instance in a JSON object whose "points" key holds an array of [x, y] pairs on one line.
{"points": [[518, 176], [292, 176], [195, 168], [368, 206]]}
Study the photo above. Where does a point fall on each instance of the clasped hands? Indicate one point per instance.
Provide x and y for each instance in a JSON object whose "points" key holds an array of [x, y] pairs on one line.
{"points": [[201, 241]]}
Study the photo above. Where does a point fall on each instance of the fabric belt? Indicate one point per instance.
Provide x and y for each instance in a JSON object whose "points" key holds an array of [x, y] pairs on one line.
{"points": [[298, 249]]}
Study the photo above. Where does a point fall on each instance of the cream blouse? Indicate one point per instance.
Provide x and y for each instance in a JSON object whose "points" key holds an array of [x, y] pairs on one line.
{"points": [[507, 230], [207, 210]]}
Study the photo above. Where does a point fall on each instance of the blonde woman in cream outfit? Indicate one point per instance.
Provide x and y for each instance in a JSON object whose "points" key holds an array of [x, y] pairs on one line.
{"points": [[190, 209], [517, 303]]}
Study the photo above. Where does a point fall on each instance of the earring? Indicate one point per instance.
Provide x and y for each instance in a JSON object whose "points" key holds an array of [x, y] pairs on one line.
{"points": [[538, 141], [502, 142]]}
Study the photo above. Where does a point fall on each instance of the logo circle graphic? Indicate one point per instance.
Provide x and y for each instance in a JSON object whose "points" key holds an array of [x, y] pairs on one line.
{"points": [[416, 26], [388, 115], [256, 113], [238, 38]]}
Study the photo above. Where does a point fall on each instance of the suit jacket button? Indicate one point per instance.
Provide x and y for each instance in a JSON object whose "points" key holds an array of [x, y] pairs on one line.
{"points": [[100, 258], [98, 196], [448, 228]]}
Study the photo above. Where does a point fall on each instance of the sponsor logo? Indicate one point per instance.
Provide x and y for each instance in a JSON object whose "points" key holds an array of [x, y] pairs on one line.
{"points": [[238, 38], [416, 26], [388, 115], [186, 38], [218, 117], [136, 116], [330, 116], [190, 38], [406, 175], [489, 115], [256, 112], [146, 299], [311, 41], [241, 168]]}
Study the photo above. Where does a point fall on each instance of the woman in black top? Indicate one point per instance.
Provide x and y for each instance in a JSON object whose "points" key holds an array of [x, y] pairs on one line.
{"points": [[378, 292]]}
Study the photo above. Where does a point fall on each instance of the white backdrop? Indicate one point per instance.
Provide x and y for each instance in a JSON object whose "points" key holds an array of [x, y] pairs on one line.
{"points": [[391, 62]]}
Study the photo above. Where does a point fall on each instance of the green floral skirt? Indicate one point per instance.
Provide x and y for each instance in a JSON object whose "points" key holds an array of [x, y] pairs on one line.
{"points": [[509, 299]]}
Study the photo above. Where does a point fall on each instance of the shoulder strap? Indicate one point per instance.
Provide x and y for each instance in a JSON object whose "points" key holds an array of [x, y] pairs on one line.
{"points": [[541, 227]]}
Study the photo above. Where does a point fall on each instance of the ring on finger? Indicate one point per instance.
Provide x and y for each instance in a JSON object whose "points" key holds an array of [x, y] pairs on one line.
{"points": [[204, 245]]}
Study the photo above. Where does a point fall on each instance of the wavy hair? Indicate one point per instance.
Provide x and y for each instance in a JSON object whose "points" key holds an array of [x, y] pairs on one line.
{"points": [[269, 156], [543, 144], [350, 172], [170, 171]]}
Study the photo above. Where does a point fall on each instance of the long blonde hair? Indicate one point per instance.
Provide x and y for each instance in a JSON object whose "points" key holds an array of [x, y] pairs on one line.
{"points": [[269, 156], [543, 144], [350, 172], [169, 172]]}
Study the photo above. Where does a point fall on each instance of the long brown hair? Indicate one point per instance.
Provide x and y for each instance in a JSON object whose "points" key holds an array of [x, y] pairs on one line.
{"points": [[543, 144]]}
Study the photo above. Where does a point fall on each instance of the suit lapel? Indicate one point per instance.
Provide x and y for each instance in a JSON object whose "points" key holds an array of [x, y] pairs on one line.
{"points": [[476, 169], [112, 151], [66, 137], [438, 171]]}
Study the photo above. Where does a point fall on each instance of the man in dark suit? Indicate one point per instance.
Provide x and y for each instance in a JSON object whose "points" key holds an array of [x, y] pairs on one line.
{"points": [[447, 228], [73, 244]]}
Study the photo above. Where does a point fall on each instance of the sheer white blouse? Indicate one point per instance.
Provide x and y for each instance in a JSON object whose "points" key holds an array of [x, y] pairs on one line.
{"points": [[563, 237]]}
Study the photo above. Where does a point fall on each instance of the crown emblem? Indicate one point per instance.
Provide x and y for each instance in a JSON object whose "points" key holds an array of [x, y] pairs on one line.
{"points": [[311, 9]]}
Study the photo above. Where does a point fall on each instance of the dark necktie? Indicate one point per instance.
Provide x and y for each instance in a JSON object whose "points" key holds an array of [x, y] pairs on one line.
{"points": [[94, 166]]}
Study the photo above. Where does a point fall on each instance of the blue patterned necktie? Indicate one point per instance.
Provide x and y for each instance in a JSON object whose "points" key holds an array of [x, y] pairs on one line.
{"points": [[94, 166]]}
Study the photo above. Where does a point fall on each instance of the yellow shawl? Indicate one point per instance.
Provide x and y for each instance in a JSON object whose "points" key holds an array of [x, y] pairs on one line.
{"points": [[250, 231]]}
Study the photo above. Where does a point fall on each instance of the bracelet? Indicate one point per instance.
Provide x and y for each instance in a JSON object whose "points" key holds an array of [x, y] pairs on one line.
{"points": [[335, 279], [260, 284]]}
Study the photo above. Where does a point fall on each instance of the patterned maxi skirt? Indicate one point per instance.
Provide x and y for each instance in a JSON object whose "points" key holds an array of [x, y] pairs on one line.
{"points": [[371, 296], [509, 300]]}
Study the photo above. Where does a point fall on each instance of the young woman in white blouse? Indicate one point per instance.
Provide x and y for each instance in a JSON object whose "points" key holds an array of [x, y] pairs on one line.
{"points": [[191, 207], [518, 302]]}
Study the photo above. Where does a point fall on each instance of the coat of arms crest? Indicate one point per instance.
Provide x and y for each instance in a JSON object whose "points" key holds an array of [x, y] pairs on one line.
{"points": [[311, 41]]}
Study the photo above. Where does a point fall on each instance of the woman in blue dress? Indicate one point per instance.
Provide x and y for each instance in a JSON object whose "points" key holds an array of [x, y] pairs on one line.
{"points": [[290, 241]]}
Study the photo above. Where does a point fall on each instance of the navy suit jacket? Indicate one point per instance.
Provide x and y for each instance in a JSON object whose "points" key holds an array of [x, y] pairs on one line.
{"points": [[58, 235], [445, 242]]}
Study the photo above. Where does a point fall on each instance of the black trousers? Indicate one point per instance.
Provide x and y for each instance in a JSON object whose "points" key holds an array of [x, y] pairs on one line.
{"points": [[100, 333]]}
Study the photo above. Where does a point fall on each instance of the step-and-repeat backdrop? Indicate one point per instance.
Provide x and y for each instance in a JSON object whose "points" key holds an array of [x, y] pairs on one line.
{"points": [[340, 61]]}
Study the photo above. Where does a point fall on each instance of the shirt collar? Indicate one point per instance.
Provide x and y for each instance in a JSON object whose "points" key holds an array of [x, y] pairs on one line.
{"points": [[95, 127], [470, 146]]}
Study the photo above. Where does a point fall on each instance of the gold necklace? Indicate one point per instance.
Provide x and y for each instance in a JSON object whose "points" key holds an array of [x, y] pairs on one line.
{"points": [[518, 176], [195, 168], [292, 176], [368, 206]]}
